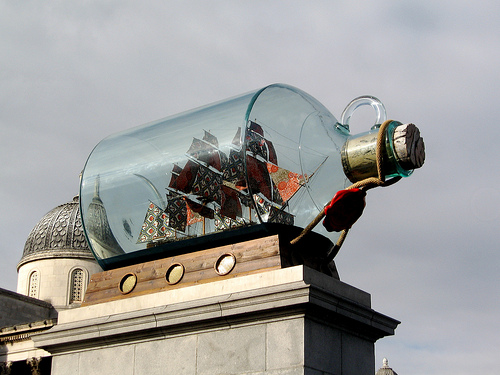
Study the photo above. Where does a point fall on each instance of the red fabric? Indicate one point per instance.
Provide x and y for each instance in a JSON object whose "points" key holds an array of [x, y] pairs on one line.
{"points": [[287, 182], [256, 128], [258, 177], [272, 152], [214, 160], [176, 170], [200, 209], [344, 210], [230, 206], [186, 177]]}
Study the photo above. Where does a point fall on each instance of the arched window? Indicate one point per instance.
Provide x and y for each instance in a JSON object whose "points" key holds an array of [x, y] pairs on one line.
{"points": [[33, 284], [77, 286]]}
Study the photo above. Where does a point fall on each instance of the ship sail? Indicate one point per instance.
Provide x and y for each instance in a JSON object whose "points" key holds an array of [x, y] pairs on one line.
{"points": [[202, 174], [177, 211], [257, 156], [215, 186], [287, 182], [272, 185], [156, 225]]}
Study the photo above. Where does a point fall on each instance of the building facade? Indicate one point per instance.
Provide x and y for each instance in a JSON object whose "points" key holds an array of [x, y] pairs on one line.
{"points": [[53, 274]]}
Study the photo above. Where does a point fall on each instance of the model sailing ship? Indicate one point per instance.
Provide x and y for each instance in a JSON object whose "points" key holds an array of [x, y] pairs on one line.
{"points": [[213, 189]]}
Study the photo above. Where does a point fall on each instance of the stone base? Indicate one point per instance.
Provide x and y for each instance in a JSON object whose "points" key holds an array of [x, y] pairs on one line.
{"points": [[287, 321]]}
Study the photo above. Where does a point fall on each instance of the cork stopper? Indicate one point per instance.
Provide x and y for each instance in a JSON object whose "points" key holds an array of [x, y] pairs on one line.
{"points": [[409, 146]]}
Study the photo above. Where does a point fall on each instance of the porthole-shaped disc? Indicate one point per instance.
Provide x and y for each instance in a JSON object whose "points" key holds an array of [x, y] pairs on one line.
{"points": [[174, 273], [127, 283], [225, 264]]}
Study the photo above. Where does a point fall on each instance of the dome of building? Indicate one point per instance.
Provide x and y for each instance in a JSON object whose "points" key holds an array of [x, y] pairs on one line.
{"points": [[58, 234], [57, 262], [385, 369]]}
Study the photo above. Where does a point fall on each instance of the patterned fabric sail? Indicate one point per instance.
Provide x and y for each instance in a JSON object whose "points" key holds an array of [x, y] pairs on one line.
{"points": [[234, 170], [224, 223], [287, 183], [277, 215], [193, 217], [177, 212], [207, 185], [156, 225]]}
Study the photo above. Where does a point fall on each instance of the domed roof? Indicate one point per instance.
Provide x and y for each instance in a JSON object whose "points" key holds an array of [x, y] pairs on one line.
{"points": [[385, 369], [58, 234]]}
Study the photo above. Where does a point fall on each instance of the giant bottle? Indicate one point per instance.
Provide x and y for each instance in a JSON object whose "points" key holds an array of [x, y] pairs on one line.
{"points": [[272, 157]]}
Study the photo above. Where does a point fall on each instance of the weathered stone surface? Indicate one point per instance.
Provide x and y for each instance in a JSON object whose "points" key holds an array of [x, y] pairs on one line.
{"points": [[323, 347], [66, 364], [285, 343], [175, 356], [236, 350], [297, 370], [358, 356], [107, 360]]}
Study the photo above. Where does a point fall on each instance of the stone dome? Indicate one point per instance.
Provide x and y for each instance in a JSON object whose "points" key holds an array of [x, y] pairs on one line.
{"points": [[385, 369], [58, 234]]}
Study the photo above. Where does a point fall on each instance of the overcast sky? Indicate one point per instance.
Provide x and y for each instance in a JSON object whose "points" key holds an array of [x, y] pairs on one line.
{"points": [[427, 248]]}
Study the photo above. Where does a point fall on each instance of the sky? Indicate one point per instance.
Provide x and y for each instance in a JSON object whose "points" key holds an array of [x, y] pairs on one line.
{"points": [[426, 249]]}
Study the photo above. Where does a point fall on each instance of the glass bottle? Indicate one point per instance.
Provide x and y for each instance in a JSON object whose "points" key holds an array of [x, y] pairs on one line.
{"points": [[274, 156]]}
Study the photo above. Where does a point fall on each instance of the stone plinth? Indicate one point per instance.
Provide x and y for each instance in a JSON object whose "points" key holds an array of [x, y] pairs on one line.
{"points": [[287, 321]]}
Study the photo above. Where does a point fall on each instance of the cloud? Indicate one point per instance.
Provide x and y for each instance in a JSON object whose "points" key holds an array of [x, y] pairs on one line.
{"points": [[425, 248]]}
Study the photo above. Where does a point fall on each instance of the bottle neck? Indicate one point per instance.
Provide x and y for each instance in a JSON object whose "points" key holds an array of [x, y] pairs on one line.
{"points": [[404, 151]]}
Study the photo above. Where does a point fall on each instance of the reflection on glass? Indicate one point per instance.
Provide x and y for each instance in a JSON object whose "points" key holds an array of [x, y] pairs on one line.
{"points": [[225, 264], [174, 273], [101, 237]]}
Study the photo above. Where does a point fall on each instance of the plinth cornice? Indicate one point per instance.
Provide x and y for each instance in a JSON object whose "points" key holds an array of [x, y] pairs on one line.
{"points": [[283, 293]]}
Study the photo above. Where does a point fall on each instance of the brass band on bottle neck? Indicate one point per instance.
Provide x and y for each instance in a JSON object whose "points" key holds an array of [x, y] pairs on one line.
{"points": [[404, 151], [359, 158]]}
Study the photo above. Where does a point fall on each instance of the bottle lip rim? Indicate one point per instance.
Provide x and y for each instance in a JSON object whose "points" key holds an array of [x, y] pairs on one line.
{"points": [[391, 151]]}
